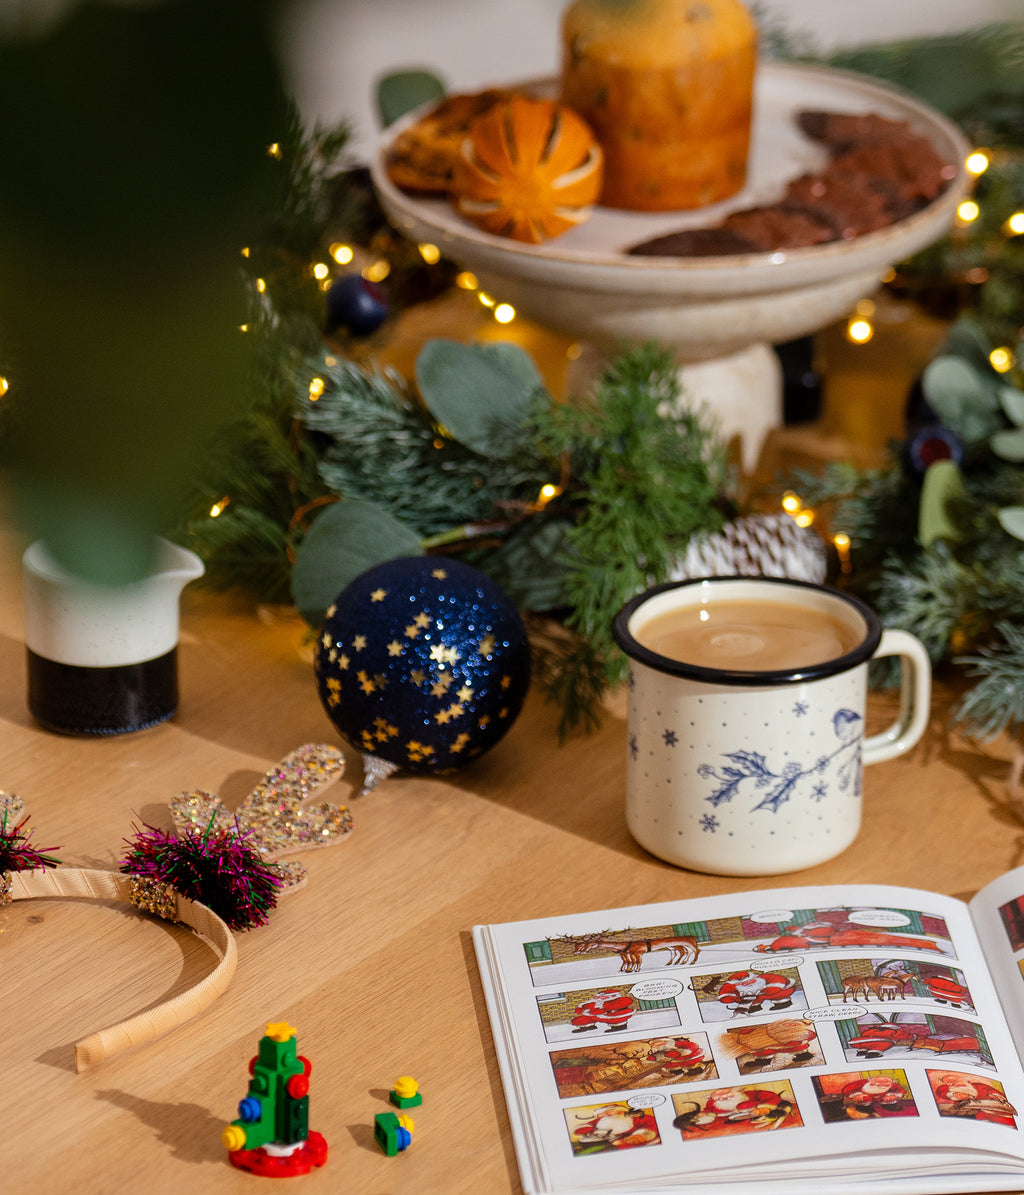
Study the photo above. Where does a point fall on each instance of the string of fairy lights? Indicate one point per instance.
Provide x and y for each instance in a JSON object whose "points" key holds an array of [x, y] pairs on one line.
{"points": [[859, 328]]}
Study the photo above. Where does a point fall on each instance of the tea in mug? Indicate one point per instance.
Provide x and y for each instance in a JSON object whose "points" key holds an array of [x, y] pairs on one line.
{"points": [[740, 635]]}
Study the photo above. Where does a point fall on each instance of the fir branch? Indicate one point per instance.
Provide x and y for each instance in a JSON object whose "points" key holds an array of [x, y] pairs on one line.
{"points": [[996, 702], [644, 480], [373, 441], [929, 597]]}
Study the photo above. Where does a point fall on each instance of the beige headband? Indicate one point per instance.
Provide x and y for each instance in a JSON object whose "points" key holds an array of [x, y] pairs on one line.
{"points": [[275, 817], [111, 885]]}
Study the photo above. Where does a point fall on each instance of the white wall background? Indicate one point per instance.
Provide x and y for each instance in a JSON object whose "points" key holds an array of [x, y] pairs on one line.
{"points": [[336, 49]]}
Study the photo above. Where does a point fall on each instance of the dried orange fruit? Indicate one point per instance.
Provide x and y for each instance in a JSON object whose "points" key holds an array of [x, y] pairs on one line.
{"points": [[529, 169]]}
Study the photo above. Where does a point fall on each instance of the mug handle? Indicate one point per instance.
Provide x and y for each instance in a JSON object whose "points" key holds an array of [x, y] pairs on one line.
{"points": [[915, 697]]}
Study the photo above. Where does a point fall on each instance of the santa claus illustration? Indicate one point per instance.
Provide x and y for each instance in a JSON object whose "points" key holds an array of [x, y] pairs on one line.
{"points": [[963, 1095], [611, 1008], [679, 1056], [875, 1096], [754, 991], [753, 1106]]}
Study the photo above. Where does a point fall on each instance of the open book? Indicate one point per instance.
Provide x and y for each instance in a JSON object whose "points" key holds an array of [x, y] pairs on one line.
{"points": [[838, 1039]]}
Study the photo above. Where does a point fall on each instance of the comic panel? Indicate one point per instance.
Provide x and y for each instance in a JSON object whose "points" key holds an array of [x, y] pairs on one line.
{"points": [[970, 1097], [913, 1035], [864, 1095], [603, 1128], [570, 958], [602, 1066], [772, 1045], [728, 1111], [727, 995], [1012, 916], [849, 928], [613, 952], [645, 1006], [879, 980]]}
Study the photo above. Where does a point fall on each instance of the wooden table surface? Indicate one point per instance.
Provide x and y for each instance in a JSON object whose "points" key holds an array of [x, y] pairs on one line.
{"points": [[372, 962]]}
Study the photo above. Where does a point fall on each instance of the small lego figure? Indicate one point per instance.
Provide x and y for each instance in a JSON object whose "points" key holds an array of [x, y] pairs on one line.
{"points": [[406, 1093], [393, 1133], [271, 1135]]}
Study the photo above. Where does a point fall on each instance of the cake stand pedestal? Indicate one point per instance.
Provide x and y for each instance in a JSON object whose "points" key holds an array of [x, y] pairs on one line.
{"points": [[718, 315]]}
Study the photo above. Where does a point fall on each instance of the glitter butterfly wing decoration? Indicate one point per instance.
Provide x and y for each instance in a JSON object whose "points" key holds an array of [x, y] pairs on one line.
{"points": [[276, 818]]}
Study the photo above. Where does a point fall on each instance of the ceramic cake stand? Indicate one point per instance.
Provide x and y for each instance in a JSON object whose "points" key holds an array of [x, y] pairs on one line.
{"points": [[719, 315]]}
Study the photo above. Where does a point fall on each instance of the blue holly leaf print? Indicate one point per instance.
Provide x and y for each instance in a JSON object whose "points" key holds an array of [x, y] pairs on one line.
{"points": [[753, 763], [781, 792], [729, 781]]}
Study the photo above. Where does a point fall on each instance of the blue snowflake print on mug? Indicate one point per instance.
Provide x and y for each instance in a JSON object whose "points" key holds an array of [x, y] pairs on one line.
{"points": [[746, 772]]}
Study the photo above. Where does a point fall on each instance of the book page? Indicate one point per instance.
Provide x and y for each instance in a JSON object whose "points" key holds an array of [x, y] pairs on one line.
{"points": [[998, 913], [699, 1039]]}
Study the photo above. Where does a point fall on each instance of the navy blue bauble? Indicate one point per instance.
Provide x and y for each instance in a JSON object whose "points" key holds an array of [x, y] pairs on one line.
{"points": [[423, 662], [355, 303]]}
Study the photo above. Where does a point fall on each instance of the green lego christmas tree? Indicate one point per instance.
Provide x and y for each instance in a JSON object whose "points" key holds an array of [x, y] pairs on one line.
{"points": [[271, 1135]]}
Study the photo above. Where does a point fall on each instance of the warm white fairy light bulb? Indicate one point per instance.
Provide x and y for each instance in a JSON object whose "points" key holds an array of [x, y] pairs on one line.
{"points": [[859, 330]]}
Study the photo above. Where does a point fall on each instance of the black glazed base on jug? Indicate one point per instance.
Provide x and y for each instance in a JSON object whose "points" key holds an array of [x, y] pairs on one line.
{"points": [[72, 699]]}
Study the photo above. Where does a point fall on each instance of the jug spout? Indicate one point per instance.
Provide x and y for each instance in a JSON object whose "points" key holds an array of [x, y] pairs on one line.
{"points": [[176, 565]]}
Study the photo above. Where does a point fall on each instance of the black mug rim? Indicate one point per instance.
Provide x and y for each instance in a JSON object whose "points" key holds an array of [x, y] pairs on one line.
{"points": [[738, 677]]}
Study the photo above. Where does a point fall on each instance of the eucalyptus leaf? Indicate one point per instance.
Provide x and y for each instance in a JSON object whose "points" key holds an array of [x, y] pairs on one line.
{"points": [[402, 91], [962, 397], [482, 394], [966, 339], [942, 481], [1012, 520], [345, 540], [1009, 445], [1012, 401]]}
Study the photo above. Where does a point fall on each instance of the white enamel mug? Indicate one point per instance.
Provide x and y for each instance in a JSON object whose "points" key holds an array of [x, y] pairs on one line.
{"points": [[758, 773]]}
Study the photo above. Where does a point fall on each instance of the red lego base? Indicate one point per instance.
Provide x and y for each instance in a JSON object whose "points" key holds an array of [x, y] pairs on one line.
{"points": [[257, 1161]]}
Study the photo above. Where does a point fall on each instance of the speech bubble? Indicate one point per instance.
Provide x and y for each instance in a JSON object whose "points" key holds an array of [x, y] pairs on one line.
{"points": [[773, 964], [838, 1012], [656, 989], [651, 1100], [772, 916], [878, 917]]}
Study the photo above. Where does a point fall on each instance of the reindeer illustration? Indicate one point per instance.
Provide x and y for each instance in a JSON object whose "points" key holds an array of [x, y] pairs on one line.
{"points": [[683, 949], [887, 986]]}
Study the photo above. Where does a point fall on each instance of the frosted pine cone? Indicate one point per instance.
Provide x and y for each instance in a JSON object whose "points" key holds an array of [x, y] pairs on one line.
{"points": [[756, 546]]}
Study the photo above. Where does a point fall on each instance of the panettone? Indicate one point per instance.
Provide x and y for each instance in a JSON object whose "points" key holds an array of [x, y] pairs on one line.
{"points": [[667, 87], [528, 169]]}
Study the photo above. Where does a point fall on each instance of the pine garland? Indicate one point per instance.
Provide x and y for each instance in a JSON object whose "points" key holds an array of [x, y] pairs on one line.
{"points": [[954, 594], [372, 440], [645, 484]]}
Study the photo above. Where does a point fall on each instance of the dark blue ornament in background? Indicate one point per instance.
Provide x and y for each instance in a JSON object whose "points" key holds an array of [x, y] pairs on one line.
{"points": [[355, 303], [422, 662], [932, 443]]}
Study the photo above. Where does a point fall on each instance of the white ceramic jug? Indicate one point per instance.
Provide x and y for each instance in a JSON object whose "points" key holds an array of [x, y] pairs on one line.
{"points": [[102, 660]]}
